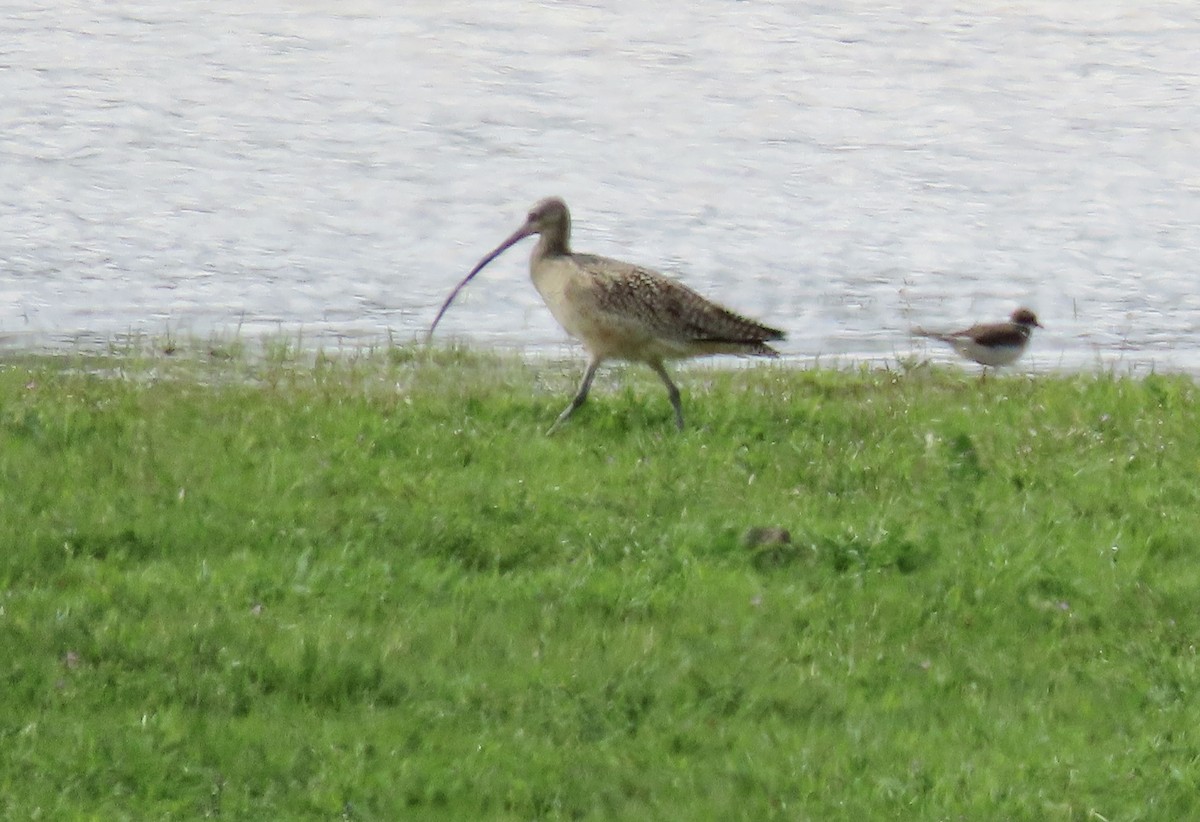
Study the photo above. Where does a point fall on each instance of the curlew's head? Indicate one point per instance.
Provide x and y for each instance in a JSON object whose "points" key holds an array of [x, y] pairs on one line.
{"points": [[1025, 317], [549, 218]]}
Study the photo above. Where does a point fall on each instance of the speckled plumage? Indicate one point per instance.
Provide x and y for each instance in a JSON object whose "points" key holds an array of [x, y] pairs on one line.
{"points": [[670, 311], [622, 311]]}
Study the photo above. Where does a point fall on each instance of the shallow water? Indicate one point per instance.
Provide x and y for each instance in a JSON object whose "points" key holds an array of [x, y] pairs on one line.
{"points": [[842, 170]]}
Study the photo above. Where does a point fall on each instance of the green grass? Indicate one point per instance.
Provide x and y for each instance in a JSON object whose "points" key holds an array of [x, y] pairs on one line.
{"points": [[371, 588]]}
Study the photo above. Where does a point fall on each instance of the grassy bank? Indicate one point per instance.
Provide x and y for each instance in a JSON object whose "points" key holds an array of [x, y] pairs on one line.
{"points": [[371, 588]]}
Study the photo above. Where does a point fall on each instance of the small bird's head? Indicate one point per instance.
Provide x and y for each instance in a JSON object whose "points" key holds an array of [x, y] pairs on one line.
{"points": [[1025, 317]]}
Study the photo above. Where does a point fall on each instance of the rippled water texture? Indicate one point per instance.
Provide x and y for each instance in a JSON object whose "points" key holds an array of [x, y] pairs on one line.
{"points": [[842, 170]]}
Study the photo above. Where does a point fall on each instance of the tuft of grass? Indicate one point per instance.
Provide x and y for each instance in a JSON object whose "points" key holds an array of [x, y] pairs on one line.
{"points": [[367, 586]]}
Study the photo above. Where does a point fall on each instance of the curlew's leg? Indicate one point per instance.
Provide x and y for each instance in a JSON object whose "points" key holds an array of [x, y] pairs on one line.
{"points": [[580, 395], [672, 392]]}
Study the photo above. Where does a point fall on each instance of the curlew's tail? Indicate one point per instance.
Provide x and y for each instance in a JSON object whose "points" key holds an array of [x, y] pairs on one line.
{"points": [[727, 332], [751, 348], [762, 349], [731, 333]]}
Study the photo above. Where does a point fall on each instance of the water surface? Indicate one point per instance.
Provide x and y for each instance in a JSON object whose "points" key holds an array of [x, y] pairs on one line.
{"points": [[842, 170]]}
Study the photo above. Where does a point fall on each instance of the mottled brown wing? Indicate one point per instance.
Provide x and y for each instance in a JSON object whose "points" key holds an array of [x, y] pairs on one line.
{"points": [[668, 307]]}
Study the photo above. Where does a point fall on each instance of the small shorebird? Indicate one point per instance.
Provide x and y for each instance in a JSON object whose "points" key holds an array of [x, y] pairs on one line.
{"points": [[992, 345], [622, 311]]}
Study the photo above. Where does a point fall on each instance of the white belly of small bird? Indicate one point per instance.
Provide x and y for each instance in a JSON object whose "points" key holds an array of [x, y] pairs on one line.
{"points": [[993, 356]]}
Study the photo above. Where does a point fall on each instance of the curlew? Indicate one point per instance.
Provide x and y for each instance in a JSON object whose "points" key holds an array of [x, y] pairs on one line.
{"points": [[991, 344], [620, 311]]}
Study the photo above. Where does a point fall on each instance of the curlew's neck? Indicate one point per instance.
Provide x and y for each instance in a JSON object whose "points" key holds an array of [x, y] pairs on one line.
{"points": [[554, 241]]}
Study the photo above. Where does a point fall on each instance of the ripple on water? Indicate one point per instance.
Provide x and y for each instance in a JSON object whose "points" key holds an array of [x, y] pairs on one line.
{"points": [[844, 172]]}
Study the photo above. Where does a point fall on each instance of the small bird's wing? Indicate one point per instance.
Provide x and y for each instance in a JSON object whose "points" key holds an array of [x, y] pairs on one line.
{"points": [[995, 334], [668, 309], [988, 334]]}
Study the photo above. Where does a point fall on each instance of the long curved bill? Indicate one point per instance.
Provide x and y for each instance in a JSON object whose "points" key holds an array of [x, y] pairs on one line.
{"points": [[520, 234]]}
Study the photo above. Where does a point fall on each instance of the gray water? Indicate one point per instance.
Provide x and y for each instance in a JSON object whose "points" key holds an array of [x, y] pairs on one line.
{"points": [[844, 170]]}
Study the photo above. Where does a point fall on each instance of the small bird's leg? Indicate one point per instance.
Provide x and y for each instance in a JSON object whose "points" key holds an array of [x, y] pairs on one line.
{"points": [[580, 395], [672, 392]]}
